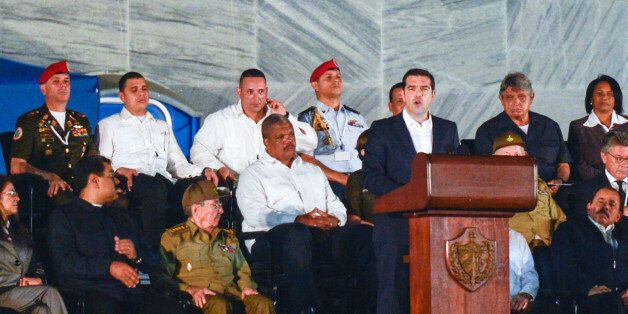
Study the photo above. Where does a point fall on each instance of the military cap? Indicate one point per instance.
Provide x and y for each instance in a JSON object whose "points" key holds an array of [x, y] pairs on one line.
{"points": [[507, 139], [55, 68], [199, 192], [324, 67]]}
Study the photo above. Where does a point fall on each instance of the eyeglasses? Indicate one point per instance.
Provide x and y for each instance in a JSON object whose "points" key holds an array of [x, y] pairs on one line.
{"points": [[618, 159], [214, 206], [11, 193]]}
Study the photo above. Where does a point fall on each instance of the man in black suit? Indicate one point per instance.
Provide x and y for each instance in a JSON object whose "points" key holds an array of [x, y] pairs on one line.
{"points": [[614, 155], [393, 144], [590, 255]]}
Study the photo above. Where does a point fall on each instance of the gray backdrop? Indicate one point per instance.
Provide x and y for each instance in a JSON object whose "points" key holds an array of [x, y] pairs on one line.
{"points": [[198, 48]]}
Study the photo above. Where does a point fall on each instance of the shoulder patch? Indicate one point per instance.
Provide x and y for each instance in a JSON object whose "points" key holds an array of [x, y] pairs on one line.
{"points": [[178, 229], [18, 133], [351, 109], [33, 113]]}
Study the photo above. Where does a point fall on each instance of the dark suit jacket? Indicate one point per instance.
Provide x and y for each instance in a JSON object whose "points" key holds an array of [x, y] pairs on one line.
{"points": [[585, 143], [390, 152], [582, 259], [582, 193]]}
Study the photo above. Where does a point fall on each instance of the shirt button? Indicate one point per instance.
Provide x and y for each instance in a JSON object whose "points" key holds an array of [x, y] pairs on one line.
{"points": [[70, 166], [67, 150]]}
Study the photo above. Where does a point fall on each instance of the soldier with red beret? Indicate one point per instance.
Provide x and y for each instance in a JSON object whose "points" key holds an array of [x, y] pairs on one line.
{"points": [[337, 127], [51, 139]]}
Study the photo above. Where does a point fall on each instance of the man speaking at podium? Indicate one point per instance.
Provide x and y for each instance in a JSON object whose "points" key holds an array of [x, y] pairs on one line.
{"points": [[393, 144]]}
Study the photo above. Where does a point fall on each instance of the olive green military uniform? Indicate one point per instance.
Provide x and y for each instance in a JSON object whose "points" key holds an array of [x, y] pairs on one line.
{"points": [[195, 258], [538, 225], [360, 201], [40, 140]]}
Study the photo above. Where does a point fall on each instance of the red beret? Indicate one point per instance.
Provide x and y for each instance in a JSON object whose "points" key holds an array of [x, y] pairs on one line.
{"points": [[327, 65], [55, 68]]}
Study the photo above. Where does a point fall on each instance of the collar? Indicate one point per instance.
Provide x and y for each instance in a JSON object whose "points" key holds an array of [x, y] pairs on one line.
{"points": [[593, 120], [195, 229], [504, 119], [427, 124], [602, 229], [611, 178], [324, 108], [125, 114], [239, 111], [266, 158]]}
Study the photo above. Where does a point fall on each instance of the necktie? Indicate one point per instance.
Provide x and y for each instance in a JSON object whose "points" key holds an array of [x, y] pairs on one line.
{"points": [[622, 193]]}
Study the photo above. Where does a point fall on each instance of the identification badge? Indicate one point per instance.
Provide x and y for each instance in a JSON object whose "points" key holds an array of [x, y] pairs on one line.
{"points": [[342, 156]]}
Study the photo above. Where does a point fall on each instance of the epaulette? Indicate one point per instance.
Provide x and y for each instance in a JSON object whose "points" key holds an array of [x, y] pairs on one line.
{"points": [[79, 114], [351, 109], [178, 229], [310, 109], [33, 113]]}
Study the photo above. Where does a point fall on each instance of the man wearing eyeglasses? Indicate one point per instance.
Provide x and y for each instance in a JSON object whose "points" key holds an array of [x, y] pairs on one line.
{"points": [[614, 155], [200, 258]]}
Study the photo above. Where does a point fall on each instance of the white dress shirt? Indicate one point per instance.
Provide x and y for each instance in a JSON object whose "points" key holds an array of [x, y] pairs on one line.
{"points": [[421, 133], [607, 232], [523, 276], [229, 138], [145, 144], [593, 120], [270, 194]]}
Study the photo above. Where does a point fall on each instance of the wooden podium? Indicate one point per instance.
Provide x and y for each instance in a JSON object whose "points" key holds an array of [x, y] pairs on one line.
{"points": [[459, 208]]}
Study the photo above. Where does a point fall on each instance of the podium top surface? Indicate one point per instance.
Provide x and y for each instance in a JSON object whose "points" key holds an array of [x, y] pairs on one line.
{"points": [[475, 183]]}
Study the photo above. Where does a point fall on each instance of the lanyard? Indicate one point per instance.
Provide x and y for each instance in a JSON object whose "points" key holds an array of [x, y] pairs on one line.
{"points": [[340, 131]]}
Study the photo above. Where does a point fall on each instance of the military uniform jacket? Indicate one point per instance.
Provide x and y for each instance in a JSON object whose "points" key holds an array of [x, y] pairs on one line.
{"points": [[192, 257], [337, 131], [40, 140]]}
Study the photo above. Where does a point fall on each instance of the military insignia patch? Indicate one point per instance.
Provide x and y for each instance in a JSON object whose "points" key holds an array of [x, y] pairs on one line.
{"points": [[18, 133], [355, 123], [471, 258], [231, 249]]}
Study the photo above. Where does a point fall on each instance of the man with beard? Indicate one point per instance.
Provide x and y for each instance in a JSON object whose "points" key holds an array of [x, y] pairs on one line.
{"points": [[95, 248], [590, 255], [292, 200]]}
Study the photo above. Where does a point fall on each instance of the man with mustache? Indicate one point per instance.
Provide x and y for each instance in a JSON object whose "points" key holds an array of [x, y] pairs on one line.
{"points": [[614, 155], [292, 200], [51, 139], [590, 255], [145, 152], [542, 135]]}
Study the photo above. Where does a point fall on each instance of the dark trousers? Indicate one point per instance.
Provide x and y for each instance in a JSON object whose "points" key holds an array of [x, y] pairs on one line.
{"points": [[298, 248], [390, 242], [139, 300]]}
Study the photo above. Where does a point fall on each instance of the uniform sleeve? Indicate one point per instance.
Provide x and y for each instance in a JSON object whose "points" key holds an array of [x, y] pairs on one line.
{"points": [[207, 145], [243, 271], [104, 135], [352, 195], [374, 163], [304, 134], [23, 139], [92, 148], [178, 165], [251, 199], [67, 261]]}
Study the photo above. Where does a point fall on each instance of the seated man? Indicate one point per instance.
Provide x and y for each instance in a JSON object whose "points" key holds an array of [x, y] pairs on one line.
{"points": [[94, 247], [358, 200], [145, 151], [543, 138], [537, 225], [590, 255], [211, 284], [524, 281], [292, 200], [614, 155]]}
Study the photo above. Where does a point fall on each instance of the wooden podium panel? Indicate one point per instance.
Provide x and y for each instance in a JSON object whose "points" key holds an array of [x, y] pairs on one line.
{"points": [[432, 289], [458, 208]]}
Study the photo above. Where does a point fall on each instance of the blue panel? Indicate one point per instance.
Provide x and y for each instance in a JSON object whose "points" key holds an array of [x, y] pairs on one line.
{"points": [[19, 93]]}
